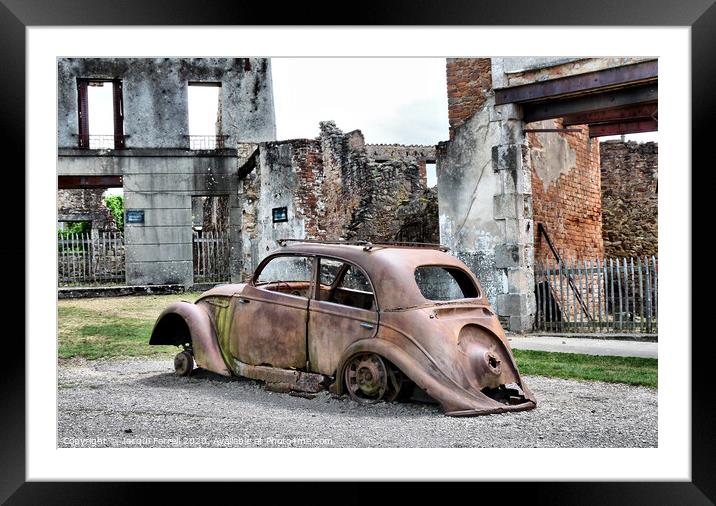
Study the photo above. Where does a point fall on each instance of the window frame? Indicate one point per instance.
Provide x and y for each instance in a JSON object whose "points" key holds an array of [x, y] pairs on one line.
{"points": [[83, 133], [342, 272], [469, 276], [270, 258]]}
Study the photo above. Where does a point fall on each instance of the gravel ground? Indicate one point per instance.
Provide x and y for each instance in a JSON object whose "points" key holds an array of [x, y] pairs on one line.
{"points": [[139, 402]]}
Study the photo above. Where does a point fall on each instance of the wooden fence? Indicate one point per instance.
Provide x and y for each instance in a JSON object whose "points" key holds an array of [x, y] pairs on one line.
{"points": [[90, 258], [602, 295], [211, 257]]}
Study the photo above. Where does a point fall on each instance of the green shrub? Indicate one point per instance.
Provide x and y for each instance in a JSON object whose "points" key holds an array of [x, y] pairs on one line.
{"points": [[115, 203]]}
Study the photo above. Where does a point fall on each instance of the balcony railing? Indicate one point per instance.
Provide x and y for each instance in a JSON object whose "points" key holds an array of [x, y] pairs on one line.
{"points": [[207, 142], [103, 141]]}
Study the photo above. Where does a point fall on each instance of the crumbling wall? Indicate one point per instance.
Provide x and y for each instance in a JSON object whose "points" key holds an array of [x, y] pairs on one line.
{"points": [[420, 154], [566, 191], [85, 205], [419, 218], [629, 184], [332, 190]]}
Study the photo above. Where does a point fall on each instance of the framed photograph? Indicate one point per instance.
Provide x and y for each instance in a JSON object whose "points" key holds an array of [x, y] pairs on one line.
{"points": [[427, 247]]}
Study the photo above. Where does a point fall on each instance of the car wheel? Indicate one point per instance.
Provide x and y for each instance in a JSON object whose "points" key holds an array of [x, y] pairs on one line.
{"points": [[368, 378], [183, 363]]}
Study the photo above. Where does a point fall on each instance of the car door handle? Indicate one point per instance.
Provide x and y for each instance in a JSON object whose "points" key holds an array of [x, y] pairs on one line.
{"points": [[244, 301], [366, 325]]}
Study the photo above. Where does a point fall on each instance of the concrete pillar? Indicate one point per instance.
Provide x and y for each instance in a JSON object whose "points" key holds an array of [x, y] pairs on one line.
{"points": [[485, 201], [158, 251], [513, 213]]}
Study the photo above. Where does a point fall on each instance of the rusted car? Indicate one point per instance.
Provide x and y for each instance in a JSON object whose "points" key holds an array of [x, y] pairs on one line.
{"points": [[371, 320]]}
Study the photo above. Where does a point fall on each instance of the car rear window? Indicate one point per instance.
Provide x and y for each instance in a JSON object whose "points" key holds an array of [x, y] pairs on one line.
{"points": [[444, 283]]}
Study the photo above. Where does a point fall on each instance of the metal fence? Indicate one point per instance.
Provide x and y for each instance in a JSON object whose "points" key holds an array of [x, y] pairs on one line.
{"points": [[207, 142], [90, 258], [211, 257], [602, 295]]}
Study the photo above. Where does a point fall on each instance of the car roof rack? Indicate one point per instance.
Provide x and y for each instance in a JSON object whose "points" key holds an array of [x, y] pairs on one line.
{"points": [[368, 245]]}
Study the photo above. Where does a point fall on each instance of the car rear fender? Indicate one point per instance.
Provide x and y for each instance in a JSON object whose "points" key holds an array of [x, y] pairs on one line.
{"points": [[185, 323], [425, 375]]}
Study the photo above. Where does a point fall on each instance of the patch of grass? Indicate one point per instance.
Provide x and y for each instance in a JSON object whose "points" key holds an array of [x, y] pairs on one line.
{"points": [[121, 326], [630, 370], [112, 326]]}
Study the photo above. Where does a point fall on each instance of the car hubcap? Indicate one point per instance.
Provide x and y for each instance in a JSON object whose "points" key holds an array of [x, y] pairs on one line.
{"points": [[366, 378], [183, 363]]}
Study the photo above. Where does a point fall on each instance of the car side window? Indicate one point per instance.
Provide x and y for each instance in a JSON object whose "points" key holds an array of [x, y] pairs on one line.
{"points": [[354, 279], [352, 288], [287, 274]]}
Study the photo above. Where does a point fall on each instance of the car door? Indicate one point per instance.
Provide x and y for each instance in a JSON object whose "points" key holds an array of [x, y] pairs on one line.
{"points": [[343, 310], [272, 313]]}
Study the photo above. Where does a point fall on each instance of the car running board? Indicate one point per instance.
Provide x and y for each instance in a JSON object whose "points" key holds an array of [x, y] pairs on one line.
{"points": [[283, 379]]}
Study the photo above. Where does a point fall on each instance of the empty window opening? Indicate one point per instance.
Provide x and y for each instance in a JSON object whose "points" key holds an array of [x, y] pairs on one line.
{"points": [[444, 283], [100, 114], [290, 275], [205, 129], [344, 284], [431, 173]]}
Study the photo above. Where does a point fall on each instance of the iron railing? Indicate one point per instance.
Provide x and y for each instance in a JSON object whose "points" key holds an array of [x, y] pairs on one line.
{"points": [[101, 141], [598, 295], [207, 142]]}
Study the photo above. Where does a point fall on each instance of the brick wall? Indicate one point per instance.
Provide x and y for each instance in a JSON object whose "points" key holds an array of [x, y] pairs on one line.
{"points": [[629, 173], [566, 199], [469, 81]]}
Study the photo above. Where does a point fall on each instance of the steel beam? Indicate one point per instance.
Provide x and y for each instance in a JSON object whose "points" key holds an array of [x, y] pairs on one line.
{"points": [[79, 182], [590, 103], [631, 113], [626, 127], [579, 84]]}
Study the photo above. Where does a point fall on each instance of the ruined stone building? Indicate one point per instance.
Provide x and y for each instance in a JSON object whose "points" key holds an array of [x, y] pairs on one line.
{"points": [[523, 163], [334, 187], [237, 178], [84, 205], [147, 149]]}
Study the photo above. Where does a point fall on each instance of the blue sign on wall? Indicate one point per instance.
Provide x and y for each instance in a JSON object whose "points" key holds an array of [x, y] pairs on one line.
{"points": [[135, 216]]}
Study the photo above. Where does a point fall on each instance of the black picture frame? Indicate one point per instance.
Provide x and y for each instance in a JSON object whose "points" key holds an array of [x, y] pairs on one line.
{"points": [[700, 15]]}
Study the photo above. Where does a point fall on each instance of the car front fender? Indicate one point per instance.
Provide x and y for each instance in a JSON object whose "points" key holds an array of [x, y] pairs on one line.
{"points": [[184, 322]]}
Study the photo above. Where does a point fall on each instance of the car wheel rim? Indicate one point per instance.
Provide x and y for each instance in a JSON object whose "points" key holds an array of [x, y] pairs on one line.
{"points": [[367, 378], [182, 363]]}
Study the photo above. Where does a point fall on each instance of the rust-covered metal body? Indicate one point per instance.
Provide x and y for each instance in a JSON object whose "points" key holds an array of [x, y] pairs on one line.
{"points": [[307, 333]]}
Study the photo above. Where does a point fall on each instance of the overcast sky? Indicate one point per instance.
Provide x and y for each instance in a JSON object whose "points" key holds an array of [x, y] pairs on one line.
{"points": [[391, 100], [401, 100]]}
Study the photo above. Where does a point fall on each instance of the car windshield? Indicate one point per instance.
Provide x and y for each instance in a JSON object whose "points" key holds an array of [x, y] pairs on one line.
{"points": [[438, 283]]}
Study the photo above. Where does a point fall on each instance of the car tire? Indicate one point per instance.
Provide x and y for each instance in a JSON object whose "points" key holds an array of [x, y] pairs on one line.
{"points": [[183, 363]]}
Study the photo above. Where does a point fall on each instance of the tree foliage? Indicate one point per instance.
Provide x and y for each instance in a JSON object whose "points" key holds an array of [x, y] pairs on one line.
{"points": [[115, 203]]}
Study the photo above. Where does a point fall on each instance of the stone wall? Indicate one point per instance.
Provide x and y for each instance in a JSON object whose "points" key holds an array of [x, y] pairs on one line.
{"points": [[332, 190], [629, 181], [85, 205], [160, 173], [566, 192], [155, 97]]}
